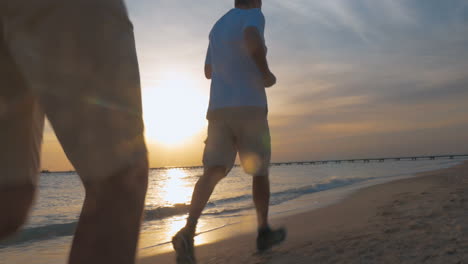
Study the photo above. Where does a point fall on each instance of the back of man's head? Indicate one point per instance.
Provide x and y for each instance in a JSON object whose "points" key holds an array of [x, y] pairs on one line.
{"points": [[247, 3], [242, 2]]}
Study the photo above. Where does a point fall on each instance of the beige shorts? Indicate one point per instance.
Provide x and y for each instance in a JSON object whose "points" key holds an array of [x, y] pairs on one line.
{"points": [[250, 138], [73, 61]]}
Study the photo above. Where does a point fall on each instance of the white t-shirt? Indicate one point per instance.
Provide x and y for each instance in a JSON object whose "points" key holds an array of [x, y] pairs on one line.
{"points": [[236, 80]]}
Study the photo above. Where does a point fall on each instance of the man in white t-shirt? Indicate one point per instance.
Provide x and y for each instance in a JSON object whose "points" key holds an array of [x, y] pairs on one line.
{"points": [[237, 114]]}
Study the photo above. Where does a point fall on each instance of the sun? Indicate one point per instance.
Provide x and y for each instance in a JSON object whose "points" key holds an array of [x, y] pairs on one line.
{"points": [[174, 109]]}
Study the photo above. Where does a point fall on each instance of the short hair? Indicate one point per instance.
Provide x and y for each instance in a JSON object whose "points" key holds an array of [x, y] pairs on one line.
{"points": [[242, 2]]}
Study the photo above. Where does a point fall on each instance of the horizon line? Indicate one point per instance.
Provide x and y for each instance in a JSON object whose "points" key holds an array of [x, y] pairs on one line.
{"points": [[302, 162]]}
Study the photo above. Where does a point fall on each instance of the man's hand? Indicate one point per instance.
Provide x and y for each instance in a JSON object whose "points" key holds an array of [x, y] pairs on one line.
{"points": [[208, 71], [269, 79]]}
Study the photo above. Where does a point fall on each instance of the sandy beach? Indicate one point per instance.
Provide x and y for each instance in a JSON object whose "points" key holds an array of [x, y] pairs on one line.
{"points": [[422, 219]]}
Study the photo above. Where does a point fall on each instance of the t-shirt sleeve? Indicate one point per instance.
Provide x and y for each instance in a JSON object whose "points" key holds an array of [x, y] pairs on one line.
{"points": [[256, 19]]}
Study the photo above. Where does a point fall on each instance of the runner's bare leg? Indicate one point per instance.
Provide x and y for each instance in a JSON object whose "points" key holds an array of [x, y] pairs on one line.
{"points": [[201, 194], [261, 197], [110, 221]]}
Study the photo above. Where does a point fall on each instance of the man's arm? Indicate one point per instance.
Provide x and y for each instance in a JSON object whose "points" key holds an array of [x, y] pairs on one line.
{"points": [[208, 68], [208, 71], [257, 51]]}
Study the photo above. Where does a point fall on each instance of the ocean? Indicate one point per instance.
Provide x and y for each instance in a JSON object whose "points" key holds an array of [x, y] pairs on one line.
{"points": [[46, 238]]}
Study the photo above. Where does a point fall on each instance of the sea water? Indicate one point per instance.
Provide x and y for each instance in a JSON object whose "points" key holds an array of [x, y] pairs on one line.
{"points": [[46, 238]]}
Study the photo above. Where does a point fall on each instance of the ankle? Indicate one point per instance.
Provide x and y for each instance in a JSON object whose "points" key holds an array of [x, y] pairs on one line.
{"points": [[191, 226], [264, 229]]}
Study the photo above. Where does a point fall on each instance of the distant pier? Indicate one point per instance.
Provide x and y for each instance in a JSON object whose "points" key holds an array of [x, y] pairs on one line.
{"points": [[368, 160], [364, 160]]}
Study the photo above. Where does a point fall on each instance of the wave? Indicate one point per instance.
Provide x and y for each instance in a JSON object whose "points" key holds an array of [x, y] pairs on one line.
{"points": [[227, 207], [164, 212], [40, 233], [47, 232], [291, 194]]}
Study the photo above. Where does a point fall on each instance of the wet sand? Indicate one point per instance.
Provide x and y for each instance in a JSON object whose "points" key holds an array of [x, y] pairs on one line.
{"points": [[417, 220]]}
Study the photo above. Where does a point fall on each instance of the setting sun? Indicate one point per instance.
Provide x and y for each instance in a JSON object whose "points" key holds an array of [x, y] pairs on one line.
{"points": [[174, 109]]}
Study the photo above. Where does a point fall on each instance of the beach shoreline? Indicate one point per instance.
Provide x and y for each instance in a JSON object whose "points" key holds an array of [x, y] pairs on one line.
{"points": [[413, 220]]}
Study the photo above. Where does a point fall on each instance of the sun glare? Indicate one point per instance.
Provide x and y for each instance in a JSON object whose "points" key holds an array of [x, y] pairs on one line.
{"points": [[174, 109]]}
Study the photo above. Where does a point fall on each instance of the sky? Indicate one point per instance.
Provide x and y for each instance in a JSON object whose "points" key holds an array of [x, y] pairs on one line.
{"points": [[356, 78]]}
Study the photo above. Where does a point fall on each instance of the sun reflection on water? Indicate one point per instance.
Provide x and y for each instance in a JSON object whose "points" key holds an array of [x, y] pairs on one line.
{"points": [[176, 189]]}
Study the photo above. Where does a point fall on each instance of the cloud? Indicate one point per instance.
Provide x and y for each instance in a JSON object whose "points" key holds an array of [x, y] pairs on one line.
{"points": [[363, 18], [355, 77]]}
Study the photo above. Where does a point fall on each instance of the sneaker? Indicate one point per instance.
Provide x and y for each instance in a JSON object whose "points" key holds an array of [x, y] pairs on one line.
{"points": [[267, 238], [183, 246]]}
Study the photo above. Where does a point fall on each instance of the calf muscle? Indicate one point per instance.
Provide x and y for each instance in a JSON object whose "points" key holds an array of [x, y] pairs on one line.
{"points": [[15, 203]]}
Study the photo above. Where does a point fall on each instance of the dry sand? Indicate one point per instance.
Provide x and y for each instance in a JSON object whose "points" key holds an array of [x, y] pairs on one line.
{"points": [[417, 220]]}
